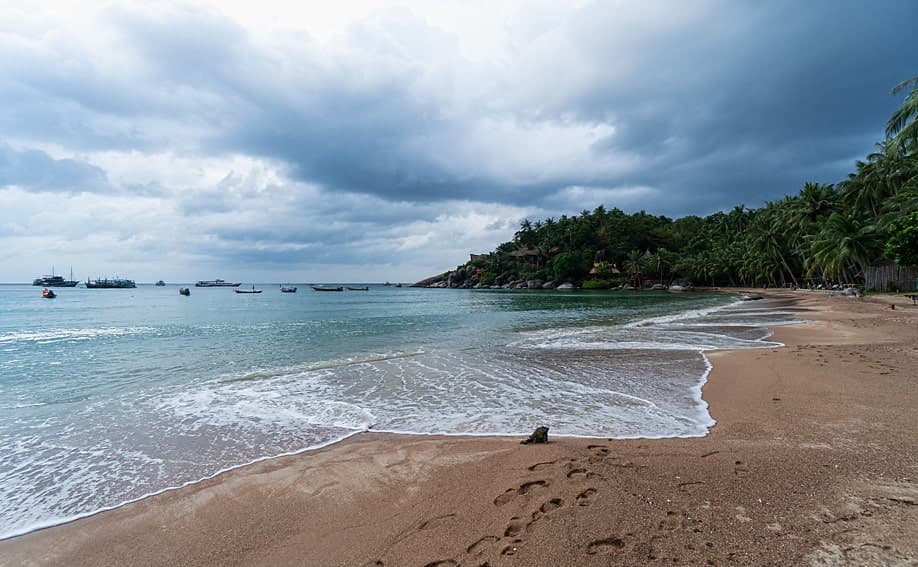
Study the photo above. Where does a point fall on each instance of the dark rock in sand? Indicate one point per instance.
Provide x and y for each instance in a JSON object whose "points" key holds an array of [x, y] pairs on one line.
{"points": [[540, 435]]}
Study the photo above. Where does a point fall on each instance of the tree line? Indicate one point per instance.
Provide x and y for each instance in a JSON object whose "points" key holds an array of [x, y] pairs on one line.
{"points": [[826, 233]]}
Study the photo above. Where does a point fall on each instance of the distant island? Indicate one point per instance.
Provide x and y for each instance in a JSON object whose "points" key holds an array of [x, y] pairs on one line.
{"points": [[860, 231]]}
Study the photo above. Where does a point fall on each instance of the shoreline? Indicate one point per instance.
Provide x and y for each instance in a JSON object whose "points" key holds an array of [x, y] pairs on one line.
{"points": [[696, 391], [399, 480]]}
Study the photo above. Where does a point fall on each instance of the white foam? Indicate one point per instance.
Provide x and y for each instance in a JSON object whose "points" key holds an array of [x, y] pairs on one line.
{"points": [[56, 335], [55, 521]]}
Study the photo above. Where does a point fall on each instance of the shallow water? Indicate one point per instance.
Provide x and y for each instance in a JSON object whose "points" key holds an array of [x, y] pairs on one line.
{"points": [[108, 395]]}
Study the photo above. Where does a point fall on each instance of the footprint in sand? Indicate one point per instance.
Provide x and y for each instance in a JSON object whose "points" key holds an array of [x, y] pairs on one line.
{"points": [[505, 497], [552, 504], [599, 450], [606, 546], [481, 545], [740, 468], [585, 498], [524, 488], [674, 521], [545, 509], [512, 548], [442, 563], [575, 474], [515, 527], [434, 522], [541, 466]]}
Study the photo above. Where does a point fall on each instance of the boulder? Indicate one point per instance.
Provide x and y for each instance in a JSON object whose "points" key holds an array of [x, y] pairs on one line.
{"points": [[566, 285], [549, 285], [540, 435], [429, 282], [534, 284]]}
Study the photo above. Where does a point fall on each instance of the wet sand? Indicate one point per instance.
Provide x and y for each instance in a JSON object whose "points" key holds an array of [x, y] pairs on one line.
{"points": [[814, 460]]}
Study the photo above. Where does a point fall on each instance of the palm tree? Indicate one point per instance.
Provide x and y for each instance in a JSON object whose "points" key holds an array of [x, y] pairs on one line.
{"points": [[902, 126], [633, 265], [846, 241]]}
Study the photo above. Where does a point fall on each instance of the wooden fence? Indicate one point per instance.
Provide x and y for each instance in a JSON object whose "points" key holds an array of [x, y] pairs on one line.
{"points": [[889, 276]]}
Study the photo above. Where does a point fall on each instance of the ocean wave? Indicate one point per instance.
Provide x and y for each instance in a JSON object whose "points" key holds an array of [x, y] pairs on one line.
{"points": [[59, 335], [286, 371]]}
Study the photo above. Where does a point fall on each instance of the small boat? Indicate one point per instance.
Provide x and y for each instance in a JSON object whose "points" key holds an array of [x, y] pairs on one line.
{"points": [[364, 288], [48, 293], [398, 285], [184, 291], [253, 290], [160, 283], [318, 288], [285, 289]]}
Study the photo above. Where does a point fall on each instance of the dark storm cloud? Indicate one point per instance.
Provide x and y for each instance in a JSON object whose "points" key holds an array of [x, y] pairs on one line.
{"points": [[789, 92], [706, 107], [36, 171]]}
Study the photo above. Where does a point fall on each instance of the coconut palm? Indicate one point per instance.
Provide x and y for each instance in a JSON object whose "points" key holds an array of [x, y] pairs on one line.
{"points": [[847, 241], [902, 126]]}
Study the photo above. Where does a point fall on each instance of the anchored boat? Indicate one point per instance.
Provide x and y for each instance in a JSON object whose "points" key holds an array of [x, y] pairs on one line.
{"points": [[114, 283], [216, 283]]}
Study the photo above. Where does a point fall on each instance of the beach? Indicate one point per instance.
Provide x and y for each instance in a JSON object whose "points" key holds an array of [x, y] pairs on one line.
{"points": [[813, 460]]}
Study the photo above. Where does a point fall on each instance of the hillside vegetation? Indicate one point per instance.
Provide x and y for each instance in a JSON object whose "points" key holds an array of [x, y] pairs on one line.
{"points": [[823, 235]]}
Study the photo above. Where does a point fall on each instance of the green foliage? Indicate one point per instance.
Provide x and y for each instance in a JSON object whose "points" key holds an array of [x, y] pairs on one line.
{"points": [[903, 245], [569, 266], [479, 263], [598, 284], [487, 278], [827, 232]]}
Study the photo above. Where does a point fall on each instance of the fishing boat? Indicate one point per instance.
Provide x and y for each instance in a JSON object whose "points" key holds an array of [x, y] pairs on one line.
{"points": [[319, 288], [253, 290], [184, 291], [285, 289], [160, 283], [364, 288], [216, 283], [114, 283], [48, 293], [55, 281]]}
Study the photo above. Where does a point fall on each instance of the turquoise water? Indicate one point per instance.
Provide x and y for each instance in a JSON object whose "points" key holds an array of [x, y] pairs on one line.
{"points": [[109, 395]]}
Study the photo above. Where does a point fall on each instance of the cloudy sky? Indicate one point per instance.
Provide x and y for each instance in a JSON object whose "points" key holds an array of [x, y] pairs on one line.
{"points": [[368, 141]]}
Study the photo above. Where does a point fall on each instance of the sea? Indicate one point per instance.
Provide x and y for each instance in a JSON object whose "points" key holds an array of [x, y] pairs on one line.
{"points": [[111, 395]]}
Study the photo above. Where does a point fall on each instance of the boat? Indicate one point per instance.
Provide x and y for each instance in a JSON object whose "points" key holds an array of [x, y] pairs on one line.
{"points": [[398, 285], [318, 288], [253, 290], [114, 283], [160, 283], [364, 288], [184, 291], [285, 289], [216, 283], [48, 293], [55, 281], [387, 284]]}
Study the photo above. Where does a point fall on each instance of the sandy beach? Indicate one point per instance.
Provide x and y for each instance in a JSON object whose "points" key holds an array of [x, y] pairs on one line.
{"points": [[814, 460]]}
